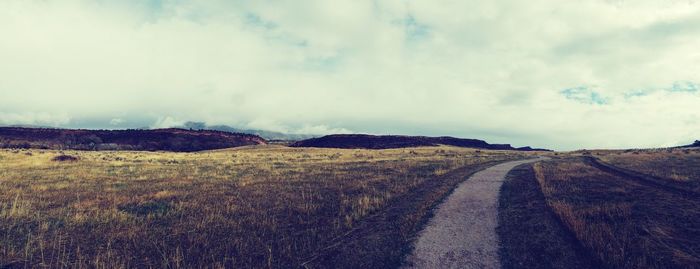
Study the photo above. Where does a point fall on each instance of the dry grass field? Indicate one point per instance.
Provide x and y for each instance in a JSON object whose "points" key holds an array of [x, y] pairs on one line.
{"points": [[531, 235], [681, 166], [251, 207], [627, 221]]}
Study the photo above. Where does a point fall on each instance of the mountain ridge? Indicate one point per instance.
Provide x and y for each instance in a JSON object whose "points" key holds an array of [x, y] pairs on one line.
{"points": [[695, 144], [268, 135], [366, 141], [168, 139]]}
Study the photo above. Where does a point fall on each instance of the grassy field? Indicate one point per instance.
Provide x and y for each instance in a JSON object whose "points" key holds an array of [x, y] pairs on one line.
{"points": [[624, 220], [681, 166], [531, 235], [252, 207]]}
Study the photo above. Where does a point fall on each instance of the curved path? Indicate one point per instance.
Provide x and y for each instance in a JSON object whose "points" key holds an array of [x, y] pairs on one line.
{"points": [[462, 234]]}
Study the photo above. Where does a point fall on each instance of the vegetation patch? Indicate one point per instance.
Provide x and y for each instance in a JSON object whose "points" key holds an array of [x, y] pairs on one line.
{"points": [[530, 234], [677, 167], [146, 208], [64, 158], [623, 221]]}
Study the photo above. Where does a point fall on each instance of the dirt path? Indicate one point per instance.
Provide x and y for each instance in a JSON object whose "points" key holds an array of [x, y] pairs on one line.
{"points": [[462, 234]]}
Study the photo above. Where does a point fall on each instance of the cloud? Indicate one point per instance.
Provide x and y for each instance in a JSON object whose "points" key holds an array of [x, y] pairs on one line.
{"points": [[585, 95], [116, 121], [38, 119], [491, 70], [685, 86], [414, 29], [321, 129], [167, 122]]}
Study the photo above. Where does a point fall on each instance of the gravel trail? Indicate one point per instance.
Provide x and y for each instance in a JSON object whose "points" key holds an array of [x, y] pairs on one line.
{"points": [[462, 234]]}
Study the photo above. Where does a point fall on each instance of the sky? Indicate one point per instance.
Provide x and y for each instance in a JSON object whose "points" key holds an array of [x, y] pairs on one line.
{"points": [[546, 73]]}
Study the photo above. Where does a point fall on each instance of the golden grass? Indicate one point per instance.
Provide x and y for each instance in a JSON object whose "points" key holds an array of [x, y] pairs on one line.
{"points": [[251, 207], [681, 165], [626, 224]]}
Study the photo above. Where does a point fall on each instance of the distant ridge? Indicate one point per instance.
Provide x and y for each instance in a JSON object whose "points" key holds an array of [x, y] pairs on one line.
{"points": [[269, 135], [694, 145], [172, 139], [364, 141]]}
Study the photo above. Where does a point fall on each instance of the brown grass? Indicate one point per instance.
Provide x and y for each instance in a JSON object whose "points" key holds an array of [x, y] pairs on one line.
{"points": [[253, 207], [531, 234], [625, 223], [679, 165]]}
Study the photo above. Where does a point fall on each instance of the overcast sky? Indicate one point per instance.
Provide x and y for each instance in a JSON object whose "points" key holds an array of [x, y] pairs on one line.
{"points": [[555, 74]]}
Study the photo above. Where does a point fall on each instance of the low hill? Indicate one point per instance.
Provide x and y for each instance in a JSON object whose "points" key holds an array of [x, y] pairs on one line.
{"points": [[351, 141], [150, 140], [694, 145]]}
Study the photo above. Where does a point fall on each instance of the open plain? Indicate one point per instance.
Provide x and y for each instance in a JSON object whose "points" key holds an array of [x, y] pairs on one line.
{"points": [[273, 206], [249, 207]]}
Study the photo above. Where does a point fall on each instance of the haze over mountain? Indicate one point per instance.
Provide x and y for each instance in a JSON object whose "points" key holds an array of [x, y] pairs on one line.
{"points": [[545, 73], [269, 135]]}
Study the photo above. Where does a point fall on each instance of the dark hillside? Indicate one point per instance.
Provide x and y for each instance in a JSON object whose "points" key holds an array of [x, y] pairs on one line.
{"points": [[351, 141], [363, 141], [150, 140], [694, 145]]}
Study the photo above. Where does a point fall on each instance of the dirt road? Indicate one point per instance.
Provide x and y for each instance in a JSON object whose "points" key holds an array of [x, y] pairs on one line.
{"points": [[462, 234]]}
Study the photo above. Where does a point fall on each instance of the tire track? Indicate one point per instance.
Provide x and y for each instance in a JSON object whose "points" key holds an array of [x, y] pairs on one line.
{"points": [[643, 179]]}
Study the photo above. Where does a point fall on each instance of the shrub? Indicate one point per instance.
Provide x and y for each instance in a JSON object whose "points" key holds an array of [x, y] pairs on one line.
{"points": [[64, 158]]}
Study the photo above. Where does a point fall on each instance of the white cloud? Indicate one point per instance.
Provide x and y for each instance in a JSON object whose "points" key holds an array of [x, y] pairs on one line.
{"points": [[321, 130], [116, 121], [492, 70]]}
